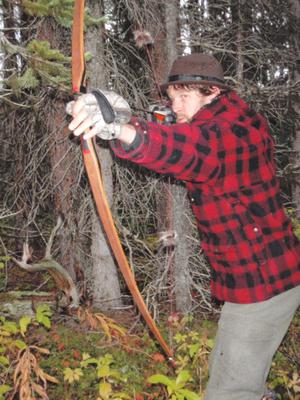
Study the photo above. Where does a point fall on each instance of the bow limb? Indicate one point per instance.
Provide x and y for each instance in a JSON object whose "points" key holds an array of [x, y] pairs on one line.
{"points": [[78, 64], [109, 227], [93, 170]]}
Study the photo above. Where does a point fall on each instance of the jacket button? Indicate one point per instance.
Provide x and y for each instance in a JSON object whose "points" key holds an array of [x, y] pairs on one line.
{"points": [[256, 229], [192, 200]]}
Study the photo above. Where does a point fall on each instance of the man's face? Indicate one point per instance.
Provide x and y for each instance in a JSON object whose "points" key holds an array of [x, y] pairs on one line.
{"points": [[186, 103]]}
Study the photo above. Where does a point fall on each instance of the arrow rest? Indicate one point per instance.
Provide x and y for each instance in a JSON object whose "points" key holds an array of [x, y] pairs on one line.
{"points": [[162, 114]]}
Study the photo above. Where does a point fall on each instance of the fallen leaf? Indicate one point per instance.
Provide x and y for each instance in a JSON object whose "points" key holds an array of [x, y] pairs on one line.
{"points": [[158, 357]]}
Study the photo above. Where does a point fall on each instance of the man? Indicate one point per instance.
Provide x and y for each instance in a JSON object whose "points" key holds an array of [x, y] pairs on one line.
{"points": [[223, 152]]}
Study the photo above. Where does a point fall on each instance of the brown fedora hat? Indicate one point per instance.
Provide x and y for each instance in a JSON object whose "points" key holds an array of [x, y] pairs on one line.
{"points": [[195, 68]]}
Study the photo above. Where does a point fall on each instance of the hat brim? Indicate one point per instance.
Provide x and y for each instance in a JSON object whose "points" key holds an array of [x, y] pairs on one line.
{"points": [[165, 85]]}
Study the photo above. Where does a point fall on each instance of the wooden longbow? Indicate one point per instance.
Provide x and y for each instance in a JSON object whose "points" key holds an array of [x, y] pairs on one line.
{"points": [[93, 170]]}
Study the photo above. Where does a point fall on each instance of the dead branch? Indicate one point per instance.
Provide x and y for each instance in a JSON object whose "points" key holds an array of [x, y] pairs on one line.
{"points": [[60, 275]]}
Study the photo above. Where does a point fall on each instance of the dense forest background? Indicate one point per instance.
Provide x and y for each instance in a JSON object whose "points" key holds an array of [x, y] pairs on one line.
{"points": [[42, 177], [41, 168]]}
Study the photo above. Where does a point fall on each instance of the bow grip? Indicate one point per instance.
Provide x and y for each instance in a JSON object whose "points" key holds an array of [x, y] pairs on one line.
{"points": [[105, 107]]}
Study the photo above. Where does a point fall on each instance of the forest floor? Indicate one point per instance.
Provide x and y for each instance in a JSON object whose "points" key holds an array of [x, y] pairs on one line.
{"points": [[55, 354]]}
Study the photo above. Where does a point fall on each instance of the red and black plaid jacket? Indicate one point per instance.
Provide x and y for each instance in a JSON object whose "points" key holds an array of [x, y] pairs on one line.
{"points": [[225, 157]]}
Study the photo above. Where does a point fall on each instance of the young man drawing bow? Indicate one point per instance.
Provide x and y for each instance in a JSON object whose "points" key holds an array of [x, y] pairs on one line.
{"points": [[223, 151]]}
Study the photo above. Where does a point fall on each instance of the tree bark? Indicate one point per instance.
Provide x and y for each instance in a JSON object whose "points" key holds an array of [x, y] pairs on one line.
{"points": [[182, 277], [63, 177], [236, 10], [105, 282], [62, 164], [179, 222], [295, 100]]}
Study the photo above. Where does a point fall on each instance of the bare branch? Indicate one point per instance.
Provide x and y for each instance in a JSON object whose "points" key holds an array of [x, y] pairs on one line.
{"points": [[58, 272], [58, 225]]}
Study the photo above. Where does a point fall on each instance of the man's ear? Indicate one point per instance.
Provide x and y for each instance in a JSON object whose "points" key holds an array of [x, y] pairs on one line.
{"points": [[216, 90]]}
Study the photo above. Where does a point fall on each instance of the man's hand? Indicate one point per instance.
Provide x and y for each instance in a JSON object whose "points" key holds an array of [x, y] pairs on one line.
{"points": [[88, 118]]}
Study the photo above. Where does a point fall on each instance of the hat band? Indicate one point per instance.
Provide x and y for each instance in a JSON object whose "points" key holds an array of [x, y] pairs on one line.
{"points": [[196, 78]]}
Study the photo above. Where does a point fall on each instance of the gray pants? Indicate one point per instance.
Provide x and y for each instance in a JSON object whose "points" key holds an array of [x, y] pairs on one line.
{"points": [[247, 339]]}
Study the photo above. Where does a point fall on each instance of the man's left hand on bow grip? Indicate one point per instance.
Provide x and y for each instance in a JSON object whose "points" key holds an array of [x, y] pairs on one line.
{"points": [[91, 112]]}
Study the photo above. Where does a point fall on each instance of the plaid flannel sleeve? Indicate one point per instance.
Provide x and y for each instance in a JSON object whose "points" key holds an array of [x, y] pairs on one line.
{"points": [[185, 151]]}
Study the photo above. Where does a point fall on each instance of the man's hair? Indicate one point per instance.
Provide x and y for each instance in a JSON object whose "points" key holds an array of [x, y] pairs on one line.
{"points": [[205, 90]]}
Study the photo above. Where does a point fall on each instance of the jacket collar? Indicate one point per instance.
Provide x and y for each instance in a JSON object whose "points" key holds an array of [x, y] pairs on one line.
{"points": [[225, 104]]}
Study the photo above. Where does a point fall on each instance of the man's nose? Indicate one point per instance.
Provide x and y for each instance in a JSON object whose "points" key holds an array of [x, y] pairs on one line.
{"points": [[176, 105]]}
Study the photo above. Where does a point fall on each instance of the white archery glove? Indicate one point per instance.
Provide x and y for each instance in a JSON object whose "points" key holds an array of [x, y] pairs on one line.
{"points": [[104, 112]]}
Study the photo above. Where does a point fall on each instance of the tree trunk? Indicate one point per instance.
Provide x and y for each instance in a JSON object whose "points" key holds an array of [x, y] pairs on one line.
{"points": [[62, 164], [105, 282], [182, 277], [171, 22], [236, 11], [63, 178], [179, 207], [2, 49], [295, 100]]}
